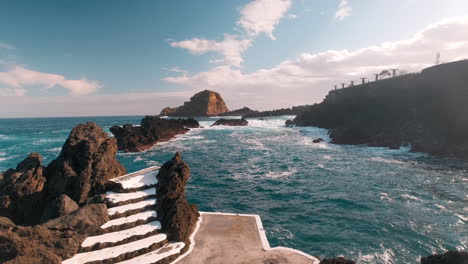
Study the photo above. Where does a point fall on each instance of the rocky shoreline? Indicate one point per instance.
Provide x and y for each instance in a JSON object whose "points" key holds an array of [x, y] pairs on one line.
{"points": [[426, 111]]}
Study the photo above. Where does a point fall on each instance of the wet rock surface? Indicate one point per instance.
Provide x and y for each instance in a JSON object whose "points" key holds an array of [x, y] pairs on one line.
{"points": [[339, 260], [427, 110], [231, 122], [450, 257], [153, 129], [178, 218], [204, 103]]}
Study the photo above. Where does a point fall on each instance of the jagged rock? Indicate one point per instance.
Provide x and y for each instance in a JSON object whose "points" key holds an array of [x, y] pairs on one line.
{"points": [[21, 191], [231, 122], [87, 161], [426, 110], [51, 242], [295, 110], [153, 129], [204, 103], [289, 123], [178, 218], [450, 257], [240, 112], [318, 140], [60, 206], [339, 260]]}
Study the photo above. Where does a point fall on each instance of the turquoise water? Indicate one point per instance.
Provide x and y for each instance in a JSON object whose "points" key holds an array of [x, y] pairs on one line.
{"points": [[374, 205]]}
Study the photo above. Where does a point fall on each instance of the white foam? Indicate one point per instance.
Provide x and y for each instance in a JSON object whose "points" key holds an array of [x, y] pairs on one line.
{"points": [[157, 255], [411, 197], [129, 207], [2, 159], [130, 219], [114, 197], [391, 161], [137, 181], [282, 174], [122, 235], [112, 252]]}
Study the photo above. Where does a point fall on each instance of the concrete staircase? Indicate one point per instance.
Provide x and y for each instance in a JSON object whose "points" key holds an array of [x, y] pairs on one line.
{"points": [[132, 235]]}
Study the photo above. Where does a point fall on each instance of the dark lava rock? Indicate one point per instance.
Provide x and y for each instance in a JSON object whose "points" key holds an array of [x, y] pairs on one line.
{"points": [[153, 129], [339, 260], [295, 110], [240, 112], [450, 257], [178, 218], [21, 189], [318, 140], [204, 103], [231, 122], [289, 123], [87, 161], [426, 110], [60, 206], [51, 242]]}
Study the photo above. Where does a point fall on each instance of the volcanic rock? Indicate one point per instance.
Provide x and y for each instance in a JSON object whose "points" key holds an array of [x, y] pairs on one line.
{"points": [[87, 161], [21, 191], [450, 257], [289, 123], [318, 140], [60, 206], [426, 110], [240, 112], [295, 110], [339, 260], [51, 242], [231, 122], [204, 103], [178, 218], [153, 129]]}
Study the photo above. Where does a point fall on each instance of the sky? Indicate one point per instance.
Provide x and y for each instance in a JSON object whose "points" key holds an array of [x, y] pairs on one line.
{"points": [[122, 57]]}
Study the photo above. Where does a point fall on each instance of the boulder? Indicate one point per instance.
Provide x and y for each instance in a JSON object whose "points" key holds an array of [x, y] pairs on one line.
{"points": [[21, 196], [178, 218], [60, 206], [87, 161], [289, 123], [231, 122], [339, 260], [318, 140], [153, 129], [85, 220], [204, 103], [450, 257]]}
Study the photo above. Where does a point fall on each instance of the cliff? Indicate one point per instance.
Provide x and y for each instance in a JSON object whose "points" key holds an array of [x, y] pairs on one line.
{"points": [[249, 113], [153, 129], [204, 103], [427, 111]]}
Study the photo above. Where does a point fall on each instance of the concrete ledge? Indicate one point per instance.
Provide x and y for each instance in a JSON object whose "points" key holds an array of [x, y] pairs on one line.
{"points": [[236, 238]]}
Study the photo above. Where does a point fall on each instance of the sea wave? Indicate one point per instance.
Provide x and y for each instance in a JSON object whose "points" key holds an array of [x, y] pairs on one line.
{"points": [[410, 197], [384, 160], [280, 174]]}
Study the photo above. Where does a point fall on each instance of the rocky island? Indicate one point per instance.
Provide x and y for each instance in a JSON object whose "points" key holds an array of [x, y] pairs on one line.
{"points": [[426, 111], [204, 103], [231, 122], [152, 130]]}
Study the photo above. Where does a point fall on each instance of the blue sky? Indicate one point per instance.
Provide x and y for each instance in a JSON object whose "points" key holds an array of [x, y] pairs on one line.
{"points": [[116, 57]]}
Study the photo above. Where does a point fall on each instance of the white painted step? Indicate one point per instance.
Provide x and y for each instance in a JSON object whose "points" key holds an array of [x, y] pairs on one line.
{"points": [[130, 219], [114, 197], [154, 256], [129, 207], [122, 235], [112, 252], [132, 181]]}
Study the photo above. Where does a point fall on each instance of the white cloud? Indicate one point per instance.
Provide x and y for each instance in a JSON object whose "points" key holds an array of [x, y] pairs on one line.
{"points": [[6, 46], [231, 48], [17, 78], [308, 77], [344, 10], [262, 16]]}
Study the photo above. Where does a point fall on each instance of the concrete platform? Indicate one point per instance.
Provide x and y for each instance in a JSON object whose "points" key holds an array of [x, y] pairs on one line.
{"points": [[239, 239]]}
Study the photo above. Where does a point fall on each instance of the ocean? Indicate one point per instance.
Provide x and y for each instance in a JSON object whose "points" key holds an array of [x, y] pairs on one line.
{"points": [[373, 205]]}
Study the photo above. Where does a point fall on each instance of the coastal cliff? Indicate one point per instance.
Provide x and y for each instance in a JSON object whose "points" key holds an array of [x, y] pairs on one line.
{"points": [[427, 111], [204, 103], [152, 130]]}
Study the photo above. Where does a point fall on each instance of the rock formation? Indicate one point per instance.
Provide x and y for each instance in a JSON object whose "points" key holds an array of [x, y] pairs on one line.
{"points": [[339, 260], [231, 122], [249, 113], [178, 218], [87, 161], [204, 103], [21, 189], [318, 140], [240, 112], [427, 111], [51, 242], [450, 257], [153, 129]]}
